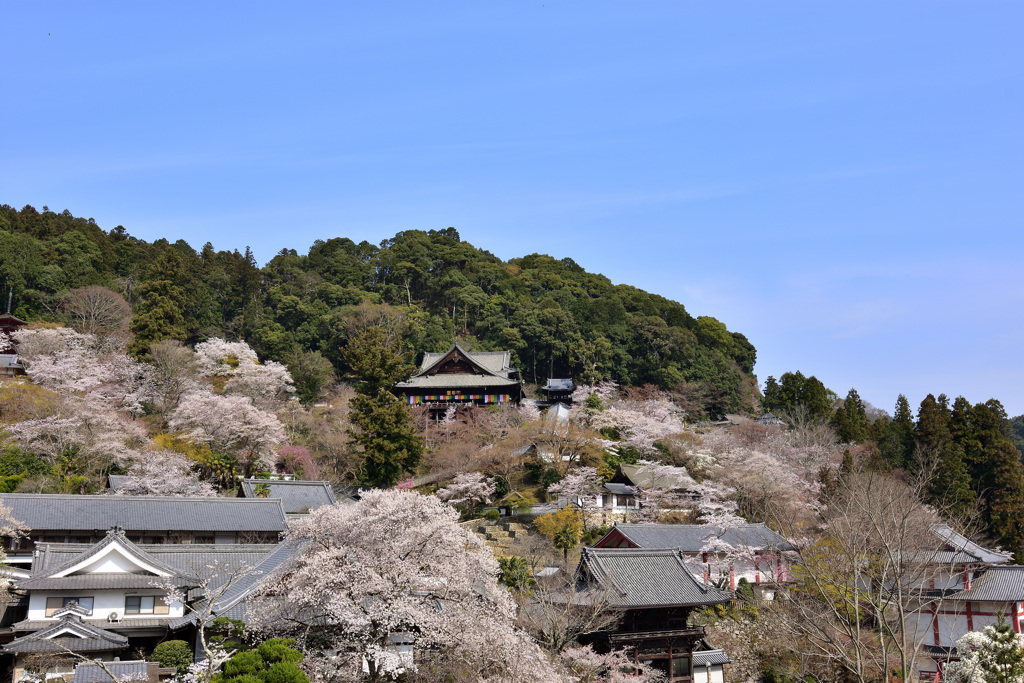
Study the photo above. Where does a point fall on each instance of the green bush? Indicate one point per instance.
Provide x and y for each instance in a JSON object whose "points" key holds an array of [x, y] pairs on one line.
{"points": [[244, 663], [492, 515], [285, 672], [279, 650], [551, 476], [176, 653]]}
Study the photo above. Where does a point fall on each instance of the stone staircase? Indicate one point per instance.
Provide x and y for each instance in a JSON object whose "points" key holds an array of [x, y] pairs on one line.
{"points": [[500, 533]]}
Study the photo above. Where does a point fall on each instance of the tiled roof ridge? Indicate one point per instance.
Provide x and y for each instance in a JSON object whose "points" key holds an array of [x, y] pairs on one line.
{"points": [[178, 499], [468, 354], [111, 538]]}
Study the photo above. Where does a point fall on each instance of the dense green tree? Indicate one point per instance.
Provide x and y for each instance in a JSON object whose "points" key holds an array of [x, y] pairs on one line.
{"points": [[159, 314], [851, 419], [383, 430]]}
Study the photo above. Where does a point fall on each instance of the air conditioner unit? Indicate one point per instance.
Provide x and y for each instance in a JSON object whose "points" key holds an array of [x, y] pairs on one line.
{"points": [[114, 618]]}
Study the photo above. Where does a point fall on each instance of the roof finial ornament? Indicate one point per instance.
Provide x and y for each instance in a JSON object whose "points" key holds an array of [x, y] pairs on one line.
{"points": [[116, 531]]}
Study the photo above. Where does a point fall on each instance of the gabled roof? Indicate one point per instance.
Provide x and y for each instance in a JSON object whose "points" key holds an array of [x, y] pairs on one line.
{"points": [[692, 538], [297, 497], [185, 559], [493, 362], [967, 551], [997, 584], [637, 477], [647, 578], [70, 633], [562, 384], [489, 369], [72, 513], [70, 572]]}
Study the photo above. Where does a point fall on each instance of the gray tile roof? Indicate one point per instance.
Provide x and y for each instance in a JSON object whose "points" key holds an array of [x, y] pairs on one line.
{"points": [[47, 568], [620, 489], [494, 361], [95, 582], [639, 577], [691, 538], [182, 558], [116, 481], [71, 513], [231, 602], [85, 637], [126, 625], [297, 497], [959, 542], [565, 384], [464, 381], [93, 673], [997, 584], [637, 475], [705, 657]]}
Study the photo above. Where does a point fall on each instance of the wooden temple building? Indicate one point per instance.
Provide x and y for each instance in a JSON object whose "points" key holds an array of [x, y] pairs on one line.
{"points": [[655, 593], [463, 378]]}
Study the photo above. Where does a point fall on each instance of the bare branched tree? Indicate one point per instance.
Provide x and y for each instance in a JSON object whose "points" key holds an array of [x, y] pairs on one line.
{"points": [[865, 582]]}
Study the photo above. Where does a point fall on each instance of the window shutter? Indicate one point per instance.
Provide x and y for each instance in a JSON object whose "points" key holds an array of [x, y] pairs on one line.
{"points": [[52, 605], [160, 608]]}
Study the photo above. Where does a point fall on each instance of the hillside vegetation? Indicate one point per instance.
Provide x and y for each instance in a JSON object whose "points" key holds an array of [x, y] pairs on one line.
{"points": [[557, 319]]}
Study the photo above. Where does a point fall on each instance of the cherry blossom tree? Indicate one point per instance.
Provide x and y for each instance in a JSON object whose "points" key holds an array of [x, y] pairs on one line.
{"points": [[584, 665], [582, 483], [67, 362], [163, 473], [262, 382], [396, 565], [229, 424], [995, 655], [467, 492], [84, 427]]}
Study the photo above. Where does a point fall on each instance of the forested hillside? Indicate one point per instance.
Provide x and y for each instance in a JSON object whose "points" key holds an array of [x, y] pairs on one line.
{"points": [[557, 318]]}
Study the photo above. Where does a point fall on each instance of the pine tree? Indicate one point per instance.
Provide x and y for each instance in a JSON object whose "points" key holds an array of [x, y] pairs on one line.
{"points": [[160, 313], [950, 490], [932, 429], [384, 431], [1005, 499]]}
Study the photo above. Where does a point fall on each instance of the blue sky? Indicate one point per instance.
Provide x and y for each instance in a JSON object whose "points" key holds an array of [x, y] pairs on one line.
{"points": [[839, 182]]}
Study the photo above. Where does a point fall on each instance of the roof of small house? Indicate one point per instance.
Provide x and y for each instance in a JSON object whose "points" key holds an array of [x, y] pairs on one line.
{"points": [[691, 538], [1003, 583], [90, 672], [73, 513], [637, 577], [81, 637], [712, 657], [638, 475], [620, 489], [116, 481], [297, 497], [564, 384]]}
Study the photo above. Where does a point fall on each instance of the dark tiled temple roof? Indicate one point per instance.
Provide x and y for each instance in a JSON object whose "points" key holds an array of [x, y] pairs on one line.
{"points": [[690, 538], [231, 603], [958, 543], [637, 577], [71, 513], [297, 497], [997, 584], [88, 672]]}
